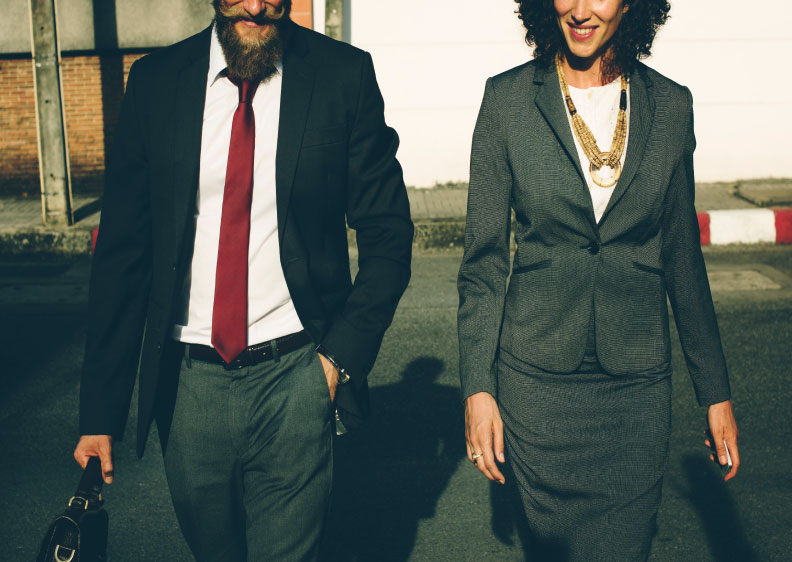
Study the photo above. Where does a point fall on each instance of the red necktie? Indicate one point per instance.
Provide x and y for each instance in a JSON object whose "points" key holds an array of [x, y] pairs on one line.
{"points": [[229, 315]]}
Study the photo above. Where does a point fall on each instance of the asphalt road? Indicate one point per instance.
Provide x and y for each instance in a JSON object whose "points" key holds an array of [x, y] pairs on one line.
{"points": [[404, 490]]}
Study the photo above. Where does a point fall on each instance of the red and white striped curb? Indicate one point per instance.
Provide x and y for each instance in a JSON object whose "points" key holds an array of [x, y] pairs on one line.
{"points": [[746, 226]]}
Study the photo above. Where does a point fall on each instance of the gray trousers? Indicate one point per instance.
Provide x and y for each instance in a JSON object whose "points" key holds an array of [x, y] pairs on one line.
{"points": [[249, 458]]}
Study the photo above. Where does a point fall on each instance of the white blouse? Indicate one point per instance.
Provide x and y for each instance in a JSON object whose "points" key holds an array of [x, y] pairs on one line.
{"points": [[599, 108]]}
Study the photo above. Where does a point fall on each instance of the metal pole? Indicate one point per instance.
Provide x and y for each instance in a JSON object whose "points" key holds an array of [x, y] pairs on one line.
{"points": [[334, 19], [53, 150]]}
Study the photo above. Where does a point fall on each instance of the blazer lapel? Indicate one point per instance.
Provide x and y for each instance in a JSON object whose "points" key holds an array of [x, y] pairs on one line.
{"points": [[550, 102], [188, 123], [642, 108], [296, 93]]}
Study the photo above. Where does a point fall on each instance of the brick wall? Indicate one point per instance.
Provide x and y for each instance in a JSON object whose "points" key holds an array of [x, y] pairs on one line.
{"points": [[92, 90], [301, 13], [18, 151]]}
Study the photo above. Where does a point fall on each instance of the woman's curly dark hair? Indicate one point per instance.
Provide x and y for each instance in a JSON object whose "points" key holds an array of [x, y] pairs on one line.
{"points": [[632, 41]]}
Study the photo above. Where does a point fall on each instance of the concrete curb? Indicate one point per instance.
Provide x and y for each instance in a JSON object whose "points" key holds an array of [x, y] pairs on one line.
{"points": [[45, 242], [746, 226]]}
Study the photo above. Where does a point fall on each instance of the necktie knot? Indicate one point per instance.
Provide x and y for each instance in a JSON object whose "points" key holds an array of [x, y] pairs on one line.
{"points": [[247, 88]]}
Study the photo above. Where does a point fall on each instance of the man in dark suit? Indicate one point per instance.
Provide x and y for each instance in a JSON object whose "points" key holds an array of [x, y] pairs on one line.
{"points": [[240, 156]]}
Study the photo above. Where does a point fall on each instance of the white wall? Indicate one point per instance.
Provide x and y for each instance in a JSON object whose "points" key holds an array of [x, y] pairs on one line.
{"points": [[433, 56], [318, 14], [733, 55]]}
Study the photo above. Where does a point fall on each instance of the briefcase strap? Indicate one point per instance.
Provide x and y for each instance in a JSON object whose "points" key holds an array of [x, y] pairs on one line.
{"points": [[89, 490]]}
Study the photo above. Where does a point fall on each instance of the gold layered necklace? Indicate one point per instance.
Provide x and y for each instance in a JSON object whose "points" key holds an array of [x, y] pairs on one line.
{"points": [[597, 158]]}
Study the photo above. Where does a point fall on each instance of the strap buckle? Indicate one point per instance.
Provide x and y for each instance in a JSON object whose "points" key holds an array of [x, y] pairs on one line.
{"points": [[83, 502], [78, 499]]}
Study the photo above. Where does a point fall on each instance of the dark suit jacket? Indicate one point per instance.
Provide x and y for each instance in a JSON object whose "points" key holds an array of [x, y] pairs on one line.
{"points": [[568, 266], [336, 163]]}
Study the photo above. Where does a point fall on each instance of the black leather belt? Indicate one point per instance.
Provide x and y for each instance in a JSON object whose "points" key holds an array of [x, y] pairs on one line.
{"points": [[252, 355]]}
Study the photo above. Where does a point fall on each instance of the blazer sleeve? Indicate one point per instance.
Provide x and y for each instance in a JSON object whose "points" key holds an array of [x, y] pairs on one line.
{"points": [[378, 210], [120, 279], [485, 263], [686, 281]]}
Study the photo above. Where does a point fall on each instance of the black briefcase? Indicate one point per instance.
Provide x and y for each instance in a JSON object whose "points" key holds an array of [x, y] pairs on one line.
{"points": [[79, 534]]}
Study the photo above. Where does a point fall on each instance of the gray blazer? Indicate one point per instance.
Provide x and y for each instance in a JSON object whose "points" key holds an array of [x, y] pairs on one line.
{"points": [[567, 265]]}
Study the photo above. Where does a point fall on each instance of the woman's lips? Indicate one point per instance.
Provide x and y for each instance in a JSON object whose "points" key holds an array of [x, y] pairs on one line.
{"points": [[581, 33]]}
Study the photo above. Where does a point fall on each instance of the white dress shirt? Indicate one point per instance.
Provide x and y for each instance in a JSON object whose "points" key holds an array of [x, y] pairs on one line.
{"points": [[271, 312], [599, 108]]}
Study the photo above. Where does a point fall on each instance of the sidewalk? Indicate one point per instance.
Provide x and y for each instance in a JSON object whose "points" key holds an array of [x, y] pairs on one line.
{"points": [[755, 211], [22, 232]]}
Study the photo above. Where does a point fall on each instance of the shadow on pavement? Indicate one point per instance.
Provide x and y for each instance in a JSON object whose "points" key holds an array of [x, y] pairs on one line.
{"points": [[391, 474], [717, 511], [82, 213]]}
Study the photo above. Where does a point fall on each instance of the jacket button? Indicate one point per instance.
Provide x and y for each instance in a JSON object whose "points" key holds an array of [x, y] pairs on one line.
{"points": [[593, 248]]}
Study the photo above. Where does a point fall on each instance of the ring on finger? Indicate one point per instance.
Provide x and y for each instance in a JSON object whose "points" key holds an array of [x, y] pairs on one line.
{"points": [[476, 457]]}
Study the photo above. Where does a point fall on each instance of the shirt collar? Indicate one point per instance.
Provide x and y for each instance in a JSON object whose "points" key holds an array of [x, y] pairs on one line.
{"points": [[217, 61]]}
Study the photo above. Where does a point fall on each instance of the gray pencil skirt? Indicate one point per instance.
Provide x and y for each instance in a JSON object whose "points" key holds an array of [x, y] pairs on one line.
{"points": [[587, 452]]}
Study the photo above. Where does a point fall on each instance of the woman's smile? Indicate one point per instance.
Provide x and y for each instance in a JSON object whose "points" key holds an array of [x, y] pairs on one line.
{"points": [[581, 32]]}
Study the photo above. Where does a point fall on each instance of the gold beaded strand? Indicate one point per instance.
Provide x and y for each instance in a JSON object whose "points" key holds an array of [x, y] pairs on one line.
{"points": [[596, 157]]}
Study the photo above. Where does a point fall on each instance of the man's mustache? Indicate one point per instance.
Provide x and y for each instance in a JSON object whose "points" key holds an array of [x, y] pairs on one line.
{"points": [[237, 13]]}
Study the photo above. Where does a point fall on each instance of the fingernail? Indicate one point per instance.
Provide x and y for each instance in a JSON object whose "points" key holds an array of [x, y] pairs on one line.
{"points": [[722, 459]]}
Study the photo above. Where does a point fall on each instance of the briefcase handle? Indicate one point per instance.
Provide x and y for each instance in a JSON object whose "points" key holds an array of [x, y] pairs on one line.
{"points": [[89, 490]]}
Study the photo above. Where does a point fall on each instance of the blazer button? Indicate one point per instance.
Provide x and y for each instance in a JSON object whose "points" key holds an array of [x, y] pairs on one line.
{"points": [[593, 248]]}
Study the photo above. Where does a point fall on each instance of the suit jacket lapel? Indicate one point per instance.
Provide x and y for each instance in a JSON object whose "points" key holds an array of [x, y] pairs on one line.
{"points": [[296, 93], [550, 102], [188, 123], [642, 108]]}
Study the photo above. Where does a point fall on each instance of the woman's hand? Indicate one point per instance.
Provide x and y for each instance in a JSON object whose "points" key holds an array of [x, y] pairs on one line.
{"points": [[484, 435], [723, 427]]}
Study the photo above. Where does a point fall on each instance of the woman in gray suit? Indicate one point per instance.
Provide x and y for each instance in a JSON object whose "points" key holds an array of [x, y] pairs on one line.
{"points": [[566, 368]]}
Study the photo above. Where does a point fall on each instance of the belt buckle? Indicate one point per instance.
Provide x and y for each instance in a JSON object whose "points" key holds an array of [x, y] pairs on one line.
{"points": [[238, 363], [263, 350]]}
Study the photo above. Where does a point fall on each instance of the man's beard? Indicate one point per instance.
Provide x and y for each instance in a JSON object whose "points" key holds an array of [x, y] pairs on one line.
{"points": [[251, 58]]}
